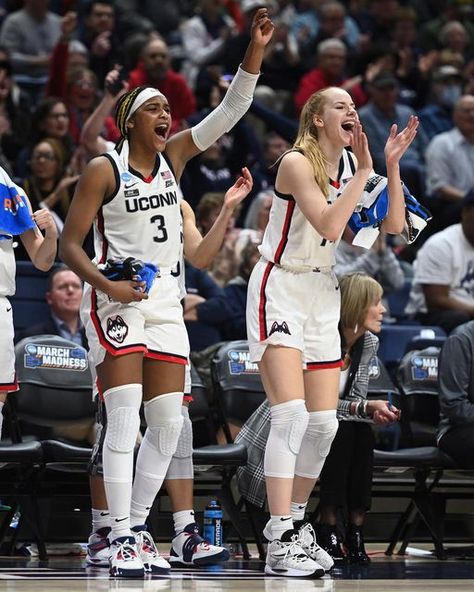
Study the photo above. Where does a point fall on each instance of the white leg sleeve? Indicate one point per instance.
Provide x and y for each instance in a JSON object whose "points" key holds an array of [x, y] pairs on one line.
{"points": [[123, 422], [164, 423], [181, 465], [222, 119], [288, 425], [322, 428]]}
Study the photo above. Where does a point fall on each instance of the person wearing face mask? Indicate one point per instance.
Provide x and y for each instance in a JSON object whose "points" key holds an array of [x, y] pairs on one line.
{"points": [[446, 88]]}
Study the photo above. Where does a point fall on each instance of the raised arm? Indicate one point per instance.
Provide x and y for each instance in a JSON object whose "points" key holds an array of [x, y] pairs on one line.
{"points": [[395, 148], [200, 251], [295, 176], [186, 144], [90, 134]]}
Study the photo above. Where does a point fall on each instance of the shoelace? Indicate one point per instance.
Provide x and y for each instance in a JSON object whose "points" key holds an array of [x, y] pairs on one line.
{"points": [[308, 530], [149, 542], [294, 548], [126, 551]]}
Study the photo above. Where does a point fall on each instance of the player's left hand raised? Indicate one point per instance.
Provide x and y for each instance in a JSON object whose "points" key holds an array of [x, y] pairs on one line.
{"points": [[397, 144], [239, 190]]}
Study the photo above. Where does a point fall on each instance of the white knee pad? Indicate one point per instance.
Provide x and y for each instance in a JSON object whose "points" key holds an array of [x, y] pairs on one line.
{"points": [[322, 428], [184, 448], [181, 465], [123, 419], [164, 422], [288, 425]]}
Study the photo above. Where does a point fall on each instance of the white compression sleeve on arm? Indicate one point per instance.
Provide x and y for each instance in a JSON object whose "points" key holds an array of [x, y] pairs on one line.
{"points": [[222, 119]]}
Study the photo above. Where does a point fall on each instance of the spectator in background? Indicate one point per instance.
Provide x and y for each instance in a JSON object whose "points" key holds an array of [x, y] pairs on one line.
{"points": [[454, 36], [451, 10], [443, 284], [331, 71], [320, 21], [49, 120], [225, 264], [204, 35], [199, 287], [450, 165], [456, 396], [63, 295], [50, 185], [100, 37], [154, 70], [446, 88], [15, 113], [226, 310], [259, 211], [30, 35], [377, 117], [378, 262]]}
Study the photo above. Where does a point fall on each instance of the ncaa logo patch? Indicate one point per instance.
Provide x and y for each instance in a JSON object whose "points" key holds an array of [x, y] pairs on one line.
{"points": [[126, 177]]}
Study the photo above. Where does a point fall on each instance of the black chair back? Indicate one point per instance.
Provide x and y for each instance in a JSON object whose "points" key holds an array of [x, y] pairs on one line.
{"points": [[381, 386], [417, 378], [237, 383], [55, 382]]}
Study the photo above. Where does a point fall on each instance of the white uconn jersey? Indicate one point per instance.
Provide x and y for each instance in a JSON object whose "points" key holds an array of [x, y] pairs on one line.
{"points": [[142, 218], [290, 240]]}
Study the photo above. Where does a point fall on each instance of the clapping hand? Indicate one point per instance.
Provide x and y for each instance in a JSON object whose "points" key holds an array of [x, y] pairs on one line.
{"points": [[398, 143]]}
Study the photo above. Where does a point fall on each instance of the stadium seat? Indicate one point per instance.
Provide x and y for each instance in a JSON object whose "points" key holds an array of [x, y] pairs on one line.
{"points": [[55, 391], [394, 340], [29, 304], [417, 379]]}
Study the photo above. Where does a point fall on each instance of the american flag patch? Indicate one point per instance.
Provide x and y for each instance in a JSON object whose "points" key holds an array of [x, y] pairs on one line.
{"points": [[166, 175]]}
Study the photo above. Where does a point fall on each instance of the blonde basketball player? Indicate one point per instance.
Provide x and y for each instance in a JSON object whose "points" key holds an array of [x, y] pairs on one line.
{"points": [[293, 309]]}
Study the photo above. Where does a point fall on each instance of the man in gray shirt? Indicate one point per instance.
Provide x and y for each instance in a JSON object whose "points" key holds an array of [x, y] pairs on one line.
{"points": [[456, 396], [450, 166]]}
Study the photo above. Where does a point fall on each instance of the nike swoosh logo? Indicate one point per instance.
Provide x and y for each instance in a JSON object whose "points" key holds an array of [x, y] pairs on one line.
{"points": [[104, 514], [120, 519], [285, 518], [130, 185], [9, 309]]}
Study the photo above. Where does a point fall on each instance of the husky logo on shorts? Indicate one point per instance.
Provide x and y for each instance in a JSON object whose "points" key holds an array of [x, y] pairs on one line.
{"points": [[117, 328], [279, 328]]}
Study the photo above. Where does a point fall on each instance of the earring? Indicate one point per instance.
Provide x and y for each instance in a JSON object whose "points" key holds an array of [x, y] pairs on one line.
{"points": [[356, 328]]}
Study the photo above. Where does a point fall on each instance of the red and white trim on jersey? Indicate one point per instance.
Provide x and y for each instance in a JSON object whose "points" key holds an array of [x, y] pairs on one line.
{"points": [[166, 357], [9, 387], [262, 303], [286, 227], [324, 365]]}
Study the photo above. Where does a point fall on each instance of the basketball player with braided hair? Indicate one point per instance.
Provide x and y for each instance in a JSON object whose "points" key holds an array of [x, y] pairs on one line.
{"points": [[137, 337], [293, 308]]}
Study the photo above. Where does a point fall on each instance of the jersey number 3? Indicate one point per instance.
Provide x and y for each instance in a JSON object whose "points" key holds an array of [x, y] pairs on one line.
{"points": [[162, 235]]}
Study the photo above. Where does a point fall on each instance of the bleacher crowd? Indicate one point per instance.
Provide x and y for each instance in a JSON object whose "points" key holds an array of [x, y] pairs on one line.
{"points": [[63, 64]]}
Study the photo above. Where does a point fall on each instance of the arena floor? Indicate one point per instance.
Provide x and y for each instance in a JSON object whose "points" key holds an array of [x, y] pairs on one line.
{"points": [[384, 574]]}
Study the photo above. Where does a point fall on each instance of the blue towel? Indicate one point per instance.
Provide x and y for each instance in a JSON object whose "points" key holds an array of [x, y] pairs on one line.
{"points": [[15, 217]]}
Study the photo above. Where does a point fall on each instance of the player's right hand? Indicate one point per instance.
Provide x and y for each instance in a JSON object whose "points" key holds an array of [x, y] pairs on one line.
{"points": [[127, 291]]}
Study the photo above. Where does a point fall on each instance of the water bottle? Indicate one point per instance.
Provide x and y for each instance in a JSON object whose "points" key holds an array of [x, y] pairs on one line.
{"points": [[213, 532]]}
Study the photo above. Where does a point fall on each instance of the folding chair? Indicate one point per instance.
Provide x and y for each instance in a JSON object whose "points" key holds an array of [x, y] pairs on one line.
{"points": [[418, 385], [55, 391]]}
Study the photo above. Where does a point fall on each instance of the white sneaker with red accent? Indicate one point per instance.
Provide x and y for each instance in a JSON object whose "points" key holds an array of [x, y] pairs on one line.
{"points": [[98, 548], [189, 548], [125, 562], [149, 554]]}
